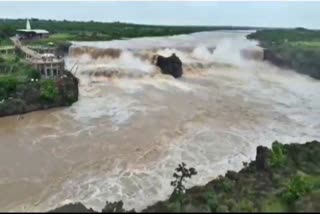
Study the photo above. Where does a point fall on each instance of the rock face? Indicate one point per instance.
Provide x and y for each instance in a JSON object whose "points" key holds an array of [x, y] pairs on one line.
{"points": [[29, 96], [274, 58], [110, 207], [170, 65], [263, 154]]}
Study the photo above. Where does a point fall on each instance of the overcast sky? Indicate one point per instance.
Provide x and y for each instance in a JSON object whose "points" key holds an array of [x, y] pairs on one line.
{"points": [[268, 14]]}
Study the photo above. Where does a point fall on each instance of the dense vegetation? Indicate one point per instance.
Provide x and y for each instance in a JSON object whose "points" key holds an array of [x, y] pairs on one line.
{"points": [[286, 178], [22, 89], [92, 31], [14, 72], [282, 179], [297, 49]]}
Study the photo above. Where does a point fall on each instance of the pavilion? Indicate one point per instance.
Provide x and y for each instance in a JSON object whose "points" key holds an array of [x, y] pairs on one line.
{"points": [[30, 34]]}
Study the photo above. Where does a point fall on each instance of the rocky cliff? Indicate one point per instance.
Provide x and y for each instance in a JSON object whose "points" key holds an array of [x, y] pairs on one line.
{"points": [[38, 95]]}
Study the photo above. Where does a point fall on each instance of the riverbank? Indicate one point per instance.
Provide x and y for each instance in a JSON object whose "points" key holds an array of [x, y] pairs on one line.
{"points": [[297, 49], [282, 179], [23, 90]]}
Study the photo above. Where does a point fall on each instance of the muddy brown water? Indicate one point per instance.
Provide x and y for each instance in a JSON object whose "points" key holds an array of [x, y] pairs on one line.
{"points": [[129, 130]]}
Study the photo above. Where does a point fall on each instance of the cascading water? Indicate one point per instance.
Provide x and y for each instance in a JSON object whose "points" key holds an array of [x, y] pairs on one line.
{"points": [[132, 125]]}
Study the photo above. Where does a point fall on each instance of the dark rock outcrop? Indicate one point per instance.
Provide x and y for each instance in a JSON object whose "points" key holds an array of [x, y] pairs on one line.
{"points": [[169, 65], [232, 175], [262, 157], [274, 58], [73, 208], [110, 207], [114, 207]]}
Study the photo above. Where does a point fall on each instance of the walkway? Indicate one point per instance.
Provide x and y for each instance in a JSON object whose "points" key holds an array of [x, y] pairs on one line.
{"points": [[29, 53]]}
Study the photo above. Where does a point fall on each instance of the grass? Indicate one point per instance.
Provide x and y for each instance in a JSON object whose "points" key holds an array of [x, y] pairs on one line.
{"points": [[60, 38], [5, 42], [54, 38]]}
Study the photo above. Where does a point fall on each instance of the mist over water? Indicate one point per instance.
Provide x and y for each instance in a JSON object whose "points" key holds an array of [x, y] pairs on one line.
{"points": [[132, 125]]}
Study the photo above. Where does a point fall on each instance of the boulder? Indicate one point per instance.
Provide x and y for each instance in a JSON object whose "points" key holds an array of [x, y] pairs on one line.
{"points": [[169, 65], [232, 175], [115, 207]]}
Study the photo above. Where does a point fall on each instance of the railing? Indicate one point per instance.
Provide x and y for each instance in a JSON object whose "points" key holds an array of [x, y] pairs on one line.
{"points": [[8, 47]]}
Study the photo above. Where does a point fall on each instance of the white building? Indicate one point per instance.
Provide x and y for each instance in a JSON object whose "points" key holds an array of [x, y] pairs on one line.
{"points": [[29, 33]]}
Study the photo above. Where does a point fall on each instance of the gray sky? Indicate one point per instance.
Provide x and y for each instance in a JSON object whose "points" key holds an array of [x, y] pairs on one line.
{"points": [[269, 14]]}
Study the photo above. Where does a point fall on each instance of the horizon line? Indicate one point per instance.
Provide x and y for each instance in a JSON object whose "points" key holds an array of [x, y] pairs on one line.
{"points": [[160, 25]]}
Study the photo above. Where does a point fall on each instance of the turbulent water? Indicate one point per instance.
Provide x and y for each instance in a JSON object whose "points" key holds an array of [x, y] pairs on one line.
{"points": [[132, 125]]}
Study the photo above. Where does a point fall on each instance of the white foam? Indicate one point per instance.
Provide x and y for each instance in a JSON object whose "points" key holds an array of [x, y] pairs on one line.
{"points": [[119, 110]]}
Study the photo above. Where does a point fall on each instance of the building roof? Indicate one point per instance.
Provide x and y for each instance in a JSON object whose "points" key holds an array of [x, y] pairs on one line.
{"points": [[29, 30], [38, 31]]}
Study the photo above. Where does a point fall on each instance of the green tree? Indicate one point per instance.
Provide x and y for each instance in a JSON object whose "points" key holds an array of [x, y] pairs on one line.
{"points": [[182, 172], [278, 157]]}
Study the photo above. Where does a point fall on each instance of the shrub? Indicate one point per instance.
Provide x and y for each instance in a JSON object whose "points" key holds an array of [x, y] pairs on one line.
{"points": [[224, 184], [8, 84], [48, 90], [32, 74], [222, 209], [297, 187], [211, 201], [278, 157], [174, 206], [246, 206]]}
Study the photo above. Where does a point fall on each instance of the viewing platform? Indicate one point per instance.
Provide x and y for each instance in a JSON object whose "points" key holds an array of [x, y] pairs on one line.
{"points": [[48, 65]]}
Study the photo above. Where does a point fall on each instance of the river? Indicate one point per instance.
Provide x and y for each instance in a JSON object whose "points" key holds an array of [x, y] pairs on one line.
{"points": [[132, 125]]}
